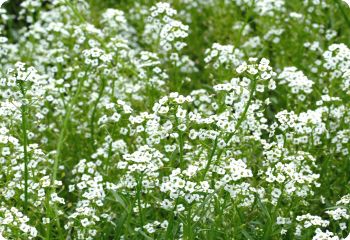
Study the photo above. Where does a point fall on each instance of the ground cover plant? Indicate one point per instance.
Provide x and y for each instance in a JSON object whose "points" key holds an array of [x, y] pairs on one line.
{"points": [[182, 119]]}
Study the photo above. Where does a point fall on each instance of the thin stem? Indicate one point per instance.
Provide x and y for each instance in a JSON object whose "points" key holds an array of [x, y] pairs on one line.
{"points": [[139, 189], [25, 152], [246, 22], [181, 143], [210, 158], [93, 115], [64, 129], [25, 144], [60, 146]]}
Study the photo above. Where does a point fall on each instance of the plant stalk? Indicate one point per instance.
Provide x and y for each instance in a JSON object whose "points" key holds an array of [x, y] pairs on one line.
{"points": [[24, 111]]}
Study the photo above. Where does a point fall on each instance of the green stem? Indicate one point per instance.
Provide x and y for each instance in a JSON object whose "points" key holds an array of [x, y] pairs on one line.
{"points": [[93, 115], [139, 189], [25, 152], [181, 143], [60, 147], [64, 129], [246, 22], [25, 144], [210, 158], [188, 235]]}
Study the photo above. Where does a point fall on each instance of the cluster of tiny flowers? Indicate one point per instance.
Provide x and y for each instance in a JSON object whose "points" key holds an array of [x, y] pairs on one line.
{"points": [[12, 220], [324, 235], [21, 83], [263, 7], [164, 29], [296, 81], [90, 187], [223, 55], [145, 163], [337, 62]]}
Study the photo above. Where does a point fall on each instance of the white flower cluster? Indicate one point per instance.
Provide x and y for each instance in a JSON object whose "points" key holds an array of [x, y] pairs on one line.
{"points": [[296, 81], [337, 62], [95, 55], [309, 220], [177, 186], [88, 210], [324, 235], [22, 83], [12, 219], [164, 29], [223, 55], [263, 7], [145, 164]]}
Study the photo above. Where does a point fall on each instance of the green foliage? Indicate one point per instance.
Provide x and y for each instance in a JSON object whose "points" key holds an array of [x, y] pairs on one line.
{"points": [[184, 119]]}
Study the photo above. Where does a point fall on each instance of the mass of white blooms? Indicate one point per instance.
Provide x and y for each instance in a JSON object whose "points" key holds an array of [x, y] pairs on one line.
{"points": [[181, 119]]}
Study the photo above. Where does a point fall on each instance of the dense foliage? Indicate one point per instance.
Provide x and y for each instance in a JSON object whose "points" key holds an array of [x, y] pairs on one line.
{"points": [[184, 119]]}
